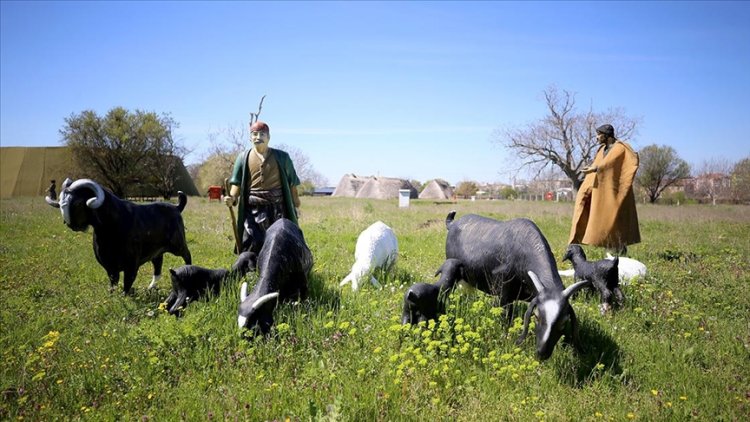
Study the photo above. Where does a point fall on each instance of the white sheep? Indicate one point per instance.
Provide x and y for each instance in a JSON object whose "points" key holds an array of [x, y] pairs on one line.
{"points": [[377, 248]]}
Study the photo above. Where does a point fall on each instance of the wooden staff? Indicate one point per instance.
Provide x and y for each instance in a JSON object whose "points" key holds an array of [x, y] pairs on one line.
{"points": [[234, 219]]}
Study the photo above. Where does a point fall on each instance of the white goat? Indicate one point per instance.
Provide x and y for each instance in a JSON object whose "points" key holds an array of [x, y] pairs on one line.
{"points": [[627, 269], [377, 248]]}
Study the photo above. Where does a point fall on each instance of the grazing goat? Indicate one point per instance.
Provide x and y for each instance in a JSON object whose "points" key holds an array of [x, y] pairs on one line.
{"points": [[602, 274], [190, 282], [377, 248], [126, 235], [424, 301], [284, 262], [627, 269], [513, 261]]}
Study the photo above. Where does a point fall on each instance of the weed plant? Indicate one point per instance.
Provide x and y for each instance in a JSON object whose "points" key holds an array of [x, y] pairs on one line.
{"points": [[71, 350]]}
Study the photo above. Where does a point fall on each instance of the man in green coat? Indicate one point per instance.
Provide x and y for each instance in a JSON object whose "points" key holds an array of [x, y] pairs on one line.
{"points": [[264, 184]]}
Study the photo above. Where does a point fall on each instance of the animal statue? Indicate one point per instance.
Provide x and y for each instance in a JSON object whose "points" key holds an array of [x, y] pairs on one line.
{"points": [[602, 274], [284, 263], [425, 301], [513, 261], [190, 282], [126, 235], [377, 248]]}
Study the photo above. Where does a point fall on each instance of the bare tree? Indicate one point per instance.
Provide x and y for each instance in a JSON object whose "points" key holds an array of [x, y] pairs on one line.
{"points": [[565, 137], [659, 168], [741, 180], [713, 180]]}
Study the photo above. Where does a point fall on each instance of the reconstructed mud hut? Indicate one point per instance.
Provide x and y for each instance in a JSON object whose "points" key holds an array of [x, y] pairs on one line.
{"points": [[353, 186]]}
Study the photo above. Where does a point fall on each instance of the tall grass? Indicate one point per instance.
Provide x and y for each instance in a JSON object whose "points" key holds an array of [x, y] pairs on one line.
{"points": [[679, 349]]}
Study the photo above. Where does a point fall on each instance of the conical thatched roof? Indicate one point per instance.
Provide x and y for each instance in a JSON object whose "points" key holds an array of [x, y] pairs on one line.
{"points": [[437, 189], [373, 187]]}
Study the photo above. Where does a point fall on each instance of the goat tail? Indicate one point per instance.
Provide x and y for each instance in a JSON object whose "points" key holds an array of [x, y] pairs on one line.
{"points": [[182, 202], [449, 219]]}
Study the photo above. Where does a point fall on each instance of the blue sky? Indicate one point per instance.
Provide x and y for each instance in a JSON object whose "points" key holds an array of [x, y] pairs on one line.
{"points": [[401, 89]]}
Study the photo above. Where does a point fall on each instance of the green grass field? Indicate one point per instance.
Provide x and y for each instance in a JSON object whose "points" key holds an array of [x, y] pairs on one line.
{"points": [[679, 349]]}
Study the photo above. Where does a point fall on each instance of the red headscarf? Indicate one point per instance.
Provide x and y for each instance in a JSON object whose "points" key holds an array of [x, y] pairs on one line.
{"points": [[260, 127]]}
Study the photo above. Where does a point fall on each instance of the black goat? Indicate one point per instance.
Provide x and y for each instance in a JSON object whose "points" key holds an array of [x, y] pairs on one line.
{"points": [[190, 282], [284, 263], [512, 260], [126, 235], [425, 301], [602, 274]]}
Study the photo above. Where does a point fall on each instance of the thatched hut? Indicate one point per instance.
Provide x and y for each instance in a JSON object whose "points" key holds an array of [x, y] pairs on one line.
{"points": [[373, 187], [437, 189], [349, 185]]}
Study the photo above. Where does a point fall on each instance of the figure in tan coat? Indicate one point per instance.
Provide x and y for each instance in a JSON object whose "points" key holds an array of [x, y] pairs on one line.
{"points": [[605, 212]]}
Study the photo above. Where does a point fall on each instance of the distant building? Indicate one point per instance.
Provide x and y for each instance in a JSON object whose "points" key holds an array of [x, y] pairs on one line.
{"points": [[437, 189], [353, 186], [326, 191]]}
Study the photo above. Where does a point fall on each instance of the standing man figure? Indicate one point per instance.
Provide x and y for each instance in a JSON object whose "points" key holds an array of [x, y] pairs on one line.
{"points": [[52, 190], [605, 212], [265, 183]]}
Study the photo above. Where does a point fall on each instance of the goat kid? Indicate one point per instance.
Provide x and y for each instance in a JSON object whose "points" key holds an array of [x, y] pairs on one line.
{"points": [[377, 248], [425, 301], [284, 263], [190, 282], [126, 235], [627, 269], [602, 274], [513, 261]]}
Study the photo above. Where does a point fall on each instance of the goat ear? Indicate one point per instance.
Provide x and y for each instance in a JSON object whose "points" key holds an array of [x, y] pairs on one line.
{"points": [[171, 271], [243, 292], [537, 284], [574, 288], [412, 296]]}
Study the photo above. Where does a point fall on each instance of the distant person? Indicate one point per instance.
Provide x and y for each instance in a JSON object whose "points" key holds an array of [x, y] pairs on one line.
{"points": [[265, 182], [605, 212], [52, 189]]}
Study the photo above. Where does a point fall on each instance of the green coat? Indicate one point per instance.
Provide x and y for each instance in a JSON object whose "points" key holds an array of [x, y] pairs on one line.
{"points": [[241, 178]]}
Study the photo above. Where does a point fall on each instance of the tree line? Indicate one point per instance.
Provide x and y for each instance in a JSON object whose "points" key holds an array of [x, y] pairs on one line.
{"points": [[132, 152]]}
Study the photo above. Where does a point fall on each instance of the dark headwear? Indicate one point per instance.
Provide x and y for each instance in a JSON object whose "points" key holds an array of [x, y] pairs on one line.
{"points": [[260, 127], [607, 130]]}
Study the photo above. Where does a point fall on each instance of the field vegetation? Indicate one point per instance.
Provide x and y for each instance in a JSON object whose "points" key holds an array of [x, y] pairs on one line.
{"points": [[71, 350]]}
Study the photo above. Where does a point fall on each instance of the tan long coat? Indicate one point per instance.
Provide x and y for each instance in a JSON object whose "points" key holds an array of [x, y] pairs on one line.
{"points": [[605, 212]]}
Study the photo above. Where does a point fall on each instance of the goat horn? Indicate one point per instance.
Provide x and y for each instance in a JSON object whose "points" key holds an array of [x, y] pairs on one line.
{"points": [[52, 202], [574, 288], [537, 284], [263, 299], [66, 183], [96, 201], [243, 292]]}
